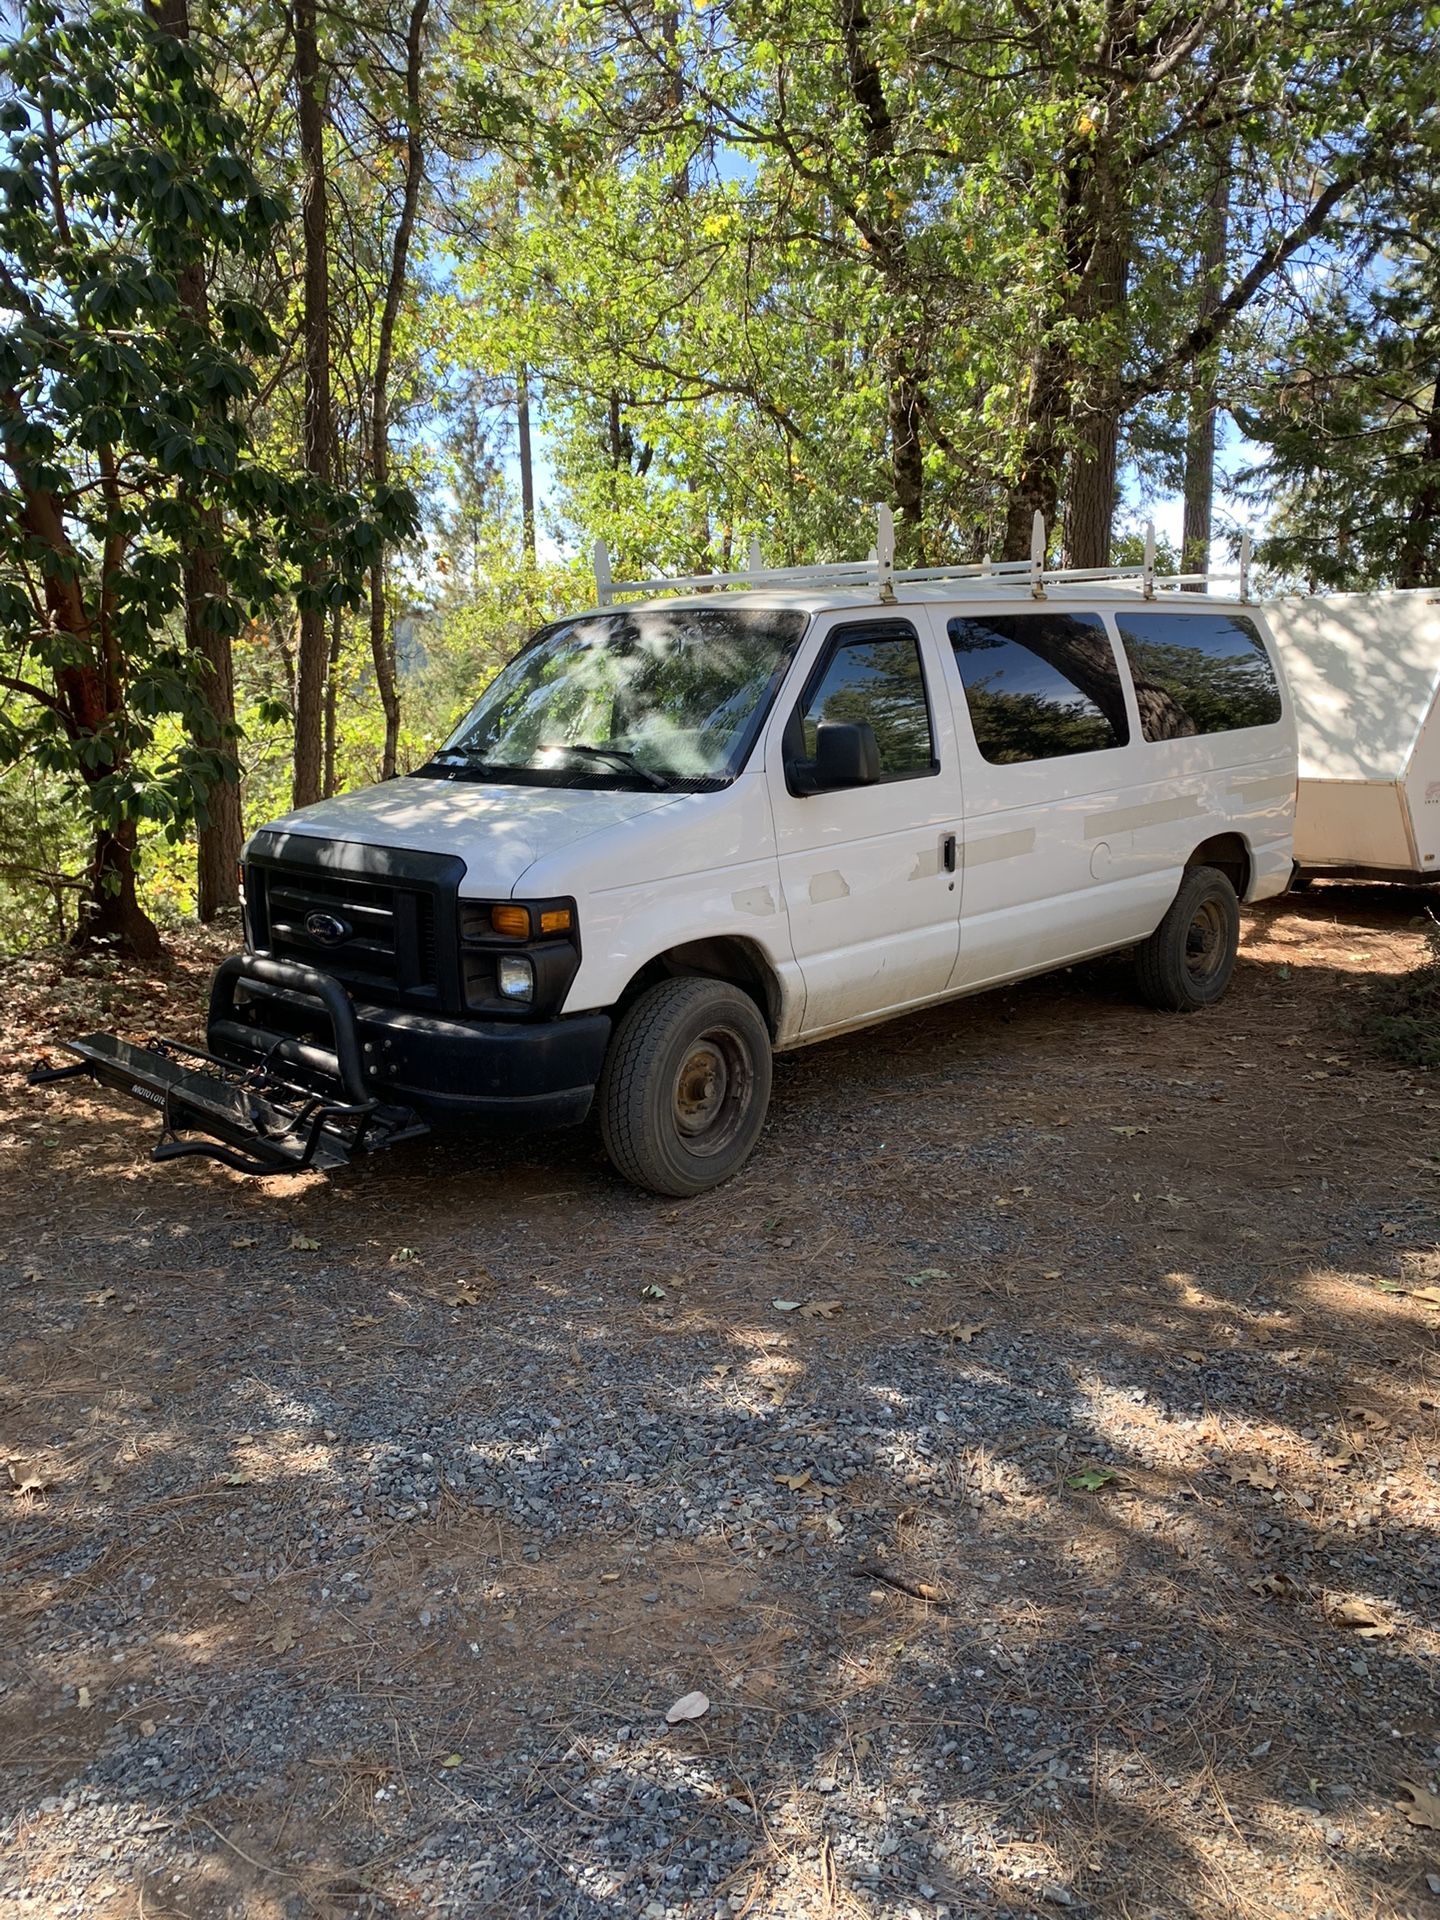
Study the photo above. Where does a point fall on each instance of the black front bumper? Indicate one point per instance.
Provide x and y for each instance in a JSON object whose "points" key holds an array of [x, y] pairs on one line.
{"points": [[296, 1074], [537, 1073]]}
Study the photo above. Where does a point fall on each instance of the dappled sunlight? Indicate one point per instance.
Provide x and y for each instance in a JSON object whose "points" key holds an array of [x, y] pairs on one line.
{"points": [[1079, 1544]]}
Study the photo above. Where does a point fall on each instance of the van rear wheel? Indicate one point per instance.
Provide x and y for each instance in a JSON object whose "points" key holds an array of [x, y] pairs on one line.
{"points": [[1187, 962], [685, 1087]]}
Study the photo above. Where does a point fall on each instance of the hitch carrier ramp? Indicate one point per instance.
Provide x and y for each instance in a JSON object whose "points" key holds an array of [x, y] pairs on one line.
{"points": [[274, 1102]]}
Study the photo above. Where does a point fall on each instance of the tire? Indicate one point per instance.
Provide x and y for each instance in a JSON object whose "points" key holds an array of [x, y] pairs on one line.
{"points": [[685, 1086], [1187, 962]]}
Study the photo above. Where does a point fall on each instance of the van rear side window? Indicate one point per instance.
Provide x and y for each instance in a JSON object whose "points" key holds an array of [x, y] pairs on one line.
{"points": [[1039, 685], [1198, 673]]}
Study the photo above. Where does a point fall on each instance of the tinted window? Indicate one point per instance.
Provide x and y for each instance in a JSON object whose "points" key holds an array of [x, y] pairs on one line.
{"points": [[1198, 673], [875, 676], [1040, 685]]}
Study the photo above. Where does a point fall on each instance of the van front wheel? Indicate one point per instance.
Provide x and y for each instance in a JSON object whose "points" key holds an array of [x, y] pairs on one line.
{"points": [[1187, 962], [685, 1087]]}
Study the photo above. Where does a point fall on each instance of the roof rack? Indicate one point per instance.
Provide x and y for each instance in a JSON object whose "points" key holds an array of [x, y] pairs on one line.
{"points": [[880, 572]]}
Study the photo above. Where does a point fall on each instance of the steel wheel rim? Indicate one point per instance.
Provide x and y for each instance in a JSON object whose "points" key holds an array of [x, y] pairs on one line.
{"points": [[1206, 942], [711, 1093]]}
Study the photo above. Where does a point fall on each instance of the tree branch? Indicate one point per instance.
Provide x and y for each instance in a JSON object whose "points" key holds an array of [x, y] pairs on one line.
{"points": [[1207, 331]]}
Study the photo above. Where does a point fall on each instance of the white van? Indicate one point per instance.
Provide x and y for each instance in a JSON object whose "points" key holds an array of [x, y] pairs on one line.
{"points": [[678, 835]]}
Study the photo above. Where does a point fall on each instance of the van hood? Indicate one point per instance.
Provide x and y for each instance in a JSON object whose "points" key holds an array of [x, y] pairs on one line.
{"points": [[498, 831]]}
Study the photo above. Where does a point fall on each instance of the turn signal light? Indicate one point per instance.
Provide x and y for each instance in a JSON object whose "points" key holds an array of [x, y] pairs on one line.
{"points": [[556, 920], [512, 920]]}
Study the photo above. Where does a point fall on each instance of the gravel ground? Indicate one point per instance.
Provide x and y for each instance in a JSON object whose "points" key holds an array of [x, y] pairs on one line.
{"points": [[1066, 1541]]}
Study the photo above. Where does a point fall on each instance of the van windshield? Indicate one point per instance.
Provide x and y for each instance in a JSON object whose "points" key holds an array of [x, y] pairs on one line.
{"points": [[662, 697]]}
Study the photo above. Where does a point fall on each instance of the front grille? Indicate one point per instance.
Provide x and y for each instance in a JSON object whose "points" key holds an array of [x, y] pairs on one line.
{"points": [[385, 934]]}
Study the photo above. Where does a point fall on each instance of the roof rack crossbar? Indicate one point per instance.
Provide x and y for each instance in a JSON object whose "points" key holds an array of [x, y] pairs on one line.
{"points": [[878, 570]]}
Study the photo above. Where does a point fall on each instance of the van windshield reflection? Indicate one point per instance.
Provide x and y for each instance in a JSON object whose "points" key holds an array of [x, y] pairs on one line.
{"points": [[662, 697]]}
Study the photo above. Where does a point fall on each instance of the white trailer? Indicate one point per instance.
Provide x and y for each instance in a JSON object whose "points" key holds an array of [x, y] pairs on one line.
{"points": [[1364, 673]]}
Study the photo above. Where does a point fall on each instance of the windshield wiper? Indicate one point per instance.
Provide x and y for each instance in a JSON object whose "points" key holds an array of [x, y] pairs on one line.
{"points": [[625, 760], [457, 765]]}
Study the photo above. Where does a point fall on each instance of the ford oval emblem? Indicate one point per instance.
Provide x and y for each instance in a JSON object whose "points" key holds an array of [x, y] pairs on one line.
{"points": [[327, 928]]}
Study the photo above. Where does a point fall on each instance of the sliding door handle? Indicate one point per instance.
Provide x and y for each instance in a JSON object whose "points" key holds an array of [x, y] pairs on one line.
{"points": [[947, 851]]}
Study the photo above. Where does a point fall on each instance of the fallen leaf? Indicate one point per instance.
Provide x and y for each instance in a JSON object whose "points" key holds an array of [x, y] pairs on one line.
{"points": [[402, 1256], [300, 1244], [100, 1299], [1426, 1810], [1427, 1296], [1194, 1355], [102, 1482], [1277, 1586], [452, 1760], [689, 1706], [235, 1480], [1054, 1274], [606, 1579], [821, 1309], [365, 1320], [25, 1479], [964, 1334], [283, 1637], [1361, 1619], [787, 1306], [651, 1292], [795, 1481], [82, 1698], [242, 1240], [1129, 1133], [147, 1729], [1339, 1462], [1253, 1477], [464, 1296], [1091, 1479]]}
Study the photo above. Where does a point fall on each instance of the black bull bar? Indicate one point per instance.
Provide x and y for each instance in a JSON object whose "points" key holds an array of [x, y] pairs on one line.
{"points": [[273, 1101]]}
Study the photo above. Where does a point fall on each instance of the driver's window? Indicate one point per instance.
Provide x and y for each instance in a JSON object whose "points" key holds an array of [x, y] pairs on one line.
{"points": [[873, 674]]}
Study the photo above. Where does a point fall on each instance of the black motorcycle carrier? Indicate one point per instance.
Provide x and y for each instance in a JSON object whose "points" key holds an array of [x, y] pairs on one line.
{"points": [[258, 1100]]}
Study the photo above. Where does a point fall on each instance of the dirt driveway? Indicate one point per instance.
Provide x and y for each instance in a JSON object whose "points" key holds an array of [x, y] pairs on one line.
{"points": [[1033, 1458]]}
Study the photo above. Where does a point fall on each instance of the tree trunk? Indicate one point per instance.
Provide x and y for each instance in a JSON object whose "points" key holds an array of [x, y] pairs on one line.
{"points": [[313, 646], [220, 834], [1419, 561], [1202, 412], [115, 913], [332, 698], [1036, 487], [527, 462], [382, 639], [907, 465], [1094, 464], [1076, 379]]}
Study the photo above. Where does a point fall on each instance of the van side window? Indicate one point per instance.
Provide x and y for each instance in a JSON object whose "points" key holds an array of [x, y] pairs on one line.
{"points": [[1039, 685], [1198, 673], [875, 675]]}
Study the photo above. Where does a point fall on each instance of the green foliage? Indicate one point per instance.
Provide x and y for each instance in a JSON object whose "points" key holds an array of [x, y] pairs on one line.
{"points": [[120, 419]]}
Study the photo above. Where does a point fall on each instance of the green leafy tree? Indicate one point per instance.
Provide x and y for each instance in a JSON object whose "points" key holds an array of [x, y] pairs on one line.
{"points": [[121, 433]]}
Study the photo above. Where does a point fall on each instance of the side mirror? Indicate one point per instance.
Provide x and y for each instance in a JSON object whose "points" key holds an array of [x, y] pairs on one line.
{"points": [[846, 754]]}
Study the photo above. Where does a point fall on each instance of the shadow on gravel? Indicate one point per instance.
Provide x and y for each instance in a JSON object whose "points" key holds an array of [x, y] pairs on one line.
{"points": [[1083, 1557]]}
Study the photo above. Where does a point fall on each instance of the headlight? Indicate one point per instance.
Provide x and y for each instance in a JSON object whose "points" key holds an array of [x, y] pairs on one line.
{"points": [[518, 957], [515, 977]]}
